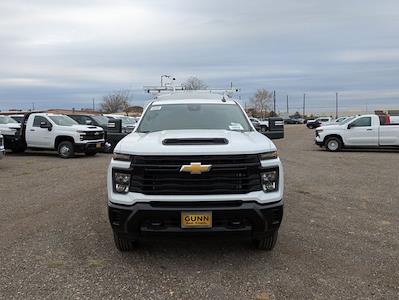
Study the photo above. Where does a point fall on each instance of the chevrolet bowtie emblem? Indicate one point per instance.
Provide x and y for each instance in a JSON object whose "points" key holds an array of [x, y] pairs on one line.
{"points": [[195, 168]]}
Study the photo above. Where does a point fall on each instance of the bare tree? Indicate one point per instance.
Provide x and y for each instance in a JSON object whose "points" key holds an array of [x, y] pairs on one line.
{"points": [[116, 102], [261, 101], [194, 83]]}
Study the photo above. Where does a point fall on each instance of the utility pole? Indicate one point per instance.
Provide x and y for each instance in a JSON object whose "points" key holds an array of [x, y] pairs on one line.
{"points": [[94, 105], [33, 105], [336, 105], [288, 111], [304, 103], [274, 102]]}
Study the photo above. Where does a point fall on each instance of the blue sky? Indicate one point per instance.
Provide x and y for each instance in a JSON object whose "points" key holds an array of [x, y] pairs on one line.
{"points": [[65, 53]]}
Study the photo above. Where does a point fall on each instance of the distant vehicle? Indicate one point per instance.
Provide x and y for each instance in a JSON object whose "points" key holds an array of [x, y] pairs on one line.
{"points": [[10, 129], [366, 131], [128, 124], [272, 127], [260, 125], [336, 121], [8, 125], [2, 150], [318, 122], [294, 121], [111, 137], [44, 131], [18, 118]]}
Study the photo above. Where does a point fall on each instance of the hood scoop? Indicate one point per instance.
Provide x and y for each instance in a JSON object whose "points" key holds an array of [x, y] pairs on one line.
{"points": [[195, 141], [92, 127]]}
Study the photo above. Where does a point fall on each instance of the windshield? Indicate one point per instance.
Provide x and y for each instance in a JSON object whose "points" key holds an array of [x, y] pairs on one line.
{"points": [[63, 120], [101, 120], [194, 116], [346, 120], [7, 120]]}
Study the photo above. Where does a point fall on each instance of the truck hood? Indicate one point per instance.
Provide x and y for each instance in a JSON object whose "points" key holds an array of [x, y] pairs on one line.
{"points": [[332, 127], [153, 143], [85, 127]]}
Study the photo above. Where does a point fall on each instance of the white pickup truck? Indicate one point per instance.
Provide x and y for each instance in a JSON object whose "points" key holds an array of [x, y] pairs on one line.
{"points": [[366, 131], [44, 131], [195, 165]]}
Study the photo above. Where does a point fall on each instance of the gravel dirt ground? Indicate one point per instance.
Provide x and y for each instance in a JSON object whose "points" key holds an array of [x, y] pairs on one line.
{"points": [[339, 238]]}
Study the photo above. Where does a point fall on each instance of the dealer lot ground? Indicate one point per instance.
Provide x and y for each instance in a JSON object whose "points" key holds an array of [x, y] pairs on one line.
{"points": [[339, 238]]}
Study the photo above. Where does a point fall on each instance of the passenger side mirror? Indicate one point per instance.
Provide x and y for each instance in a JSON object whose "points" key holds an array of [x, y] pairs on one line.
{"points": [[350, 126]]}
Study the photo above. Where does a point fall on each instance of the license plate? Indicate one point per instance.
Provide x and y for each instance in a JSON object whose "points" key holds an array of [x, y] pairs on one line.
{"points": [[98, 145], [196, 219]]}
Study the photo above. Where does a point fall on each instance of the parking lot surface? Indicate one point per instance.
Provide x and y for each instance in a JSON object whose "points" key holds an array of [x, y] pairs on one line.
{"points": [[339, 238]]}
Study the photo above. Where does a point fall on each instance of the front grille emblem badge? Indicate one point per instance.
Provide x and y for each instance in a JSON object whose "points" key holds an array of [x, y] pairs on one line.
{"points": [[195, 168]]}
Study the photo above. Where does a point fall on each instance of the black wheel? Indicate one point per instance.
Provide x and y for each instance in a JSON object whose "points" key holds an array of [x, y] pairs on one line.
{"points": [[263, 128], [267, 242], [123, 244], [18, 149], [310, 126], [333, 144], [66, 149], [90, 153]]}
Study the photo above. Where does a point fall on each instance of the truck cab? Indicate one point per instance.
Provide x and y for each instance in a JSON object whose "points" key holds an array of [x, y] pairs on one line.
{"points": [[195, 165]]}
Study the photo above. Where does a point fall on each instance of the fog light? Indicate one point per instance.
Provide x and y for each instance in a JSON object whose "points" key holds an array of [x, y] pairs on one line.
{"points": [[269, 181], [122, 182]]}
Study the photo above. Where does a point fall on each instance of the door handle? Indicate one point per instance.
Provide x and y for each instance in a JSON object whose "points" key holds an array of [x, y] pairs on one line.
{"points": [[369, 129], [32, 130]]}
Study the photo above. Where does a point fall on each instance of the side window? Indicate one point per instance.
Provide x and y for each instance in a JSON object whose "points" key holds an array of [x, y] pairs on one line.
{"points": [[37, 120], [362, 122]]}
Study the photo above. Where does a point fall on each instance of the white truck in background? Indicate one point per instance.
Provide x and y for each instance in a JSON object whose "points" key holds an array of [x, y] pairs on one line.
{"points": [[45, 131], [366, 131]]}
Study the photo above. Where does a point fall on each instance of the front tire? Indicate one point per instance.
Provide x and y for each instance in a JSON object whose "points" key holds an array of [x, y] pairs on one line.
{"points": [[123, 244], [333, 144], [267, 242], [66, 149]]}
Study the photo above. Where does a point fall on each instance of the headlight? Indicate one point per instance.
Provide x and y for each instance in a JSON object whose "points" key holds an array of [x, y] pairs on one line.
{"points": [[121, 182], [122, 157], [268, 155], [269, 180]]}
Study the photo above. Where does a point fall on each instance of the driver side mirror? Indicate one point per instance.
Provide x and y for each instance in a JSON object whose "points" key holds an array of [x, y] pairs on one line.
{"points": [[46, 125], [350, 126], [89, 122]]}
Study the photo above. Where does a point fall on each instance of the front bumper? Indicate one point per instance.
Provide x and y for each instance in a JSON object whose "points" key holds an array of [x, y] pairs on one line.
{"points": [[91, 146], [319, 141], [159, 218]]}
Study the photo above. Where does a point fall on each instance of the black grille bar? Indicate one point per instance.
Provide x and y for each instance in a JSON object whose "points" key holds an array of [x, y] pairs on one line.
{"points": [[230, 174], [93, 135]]}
